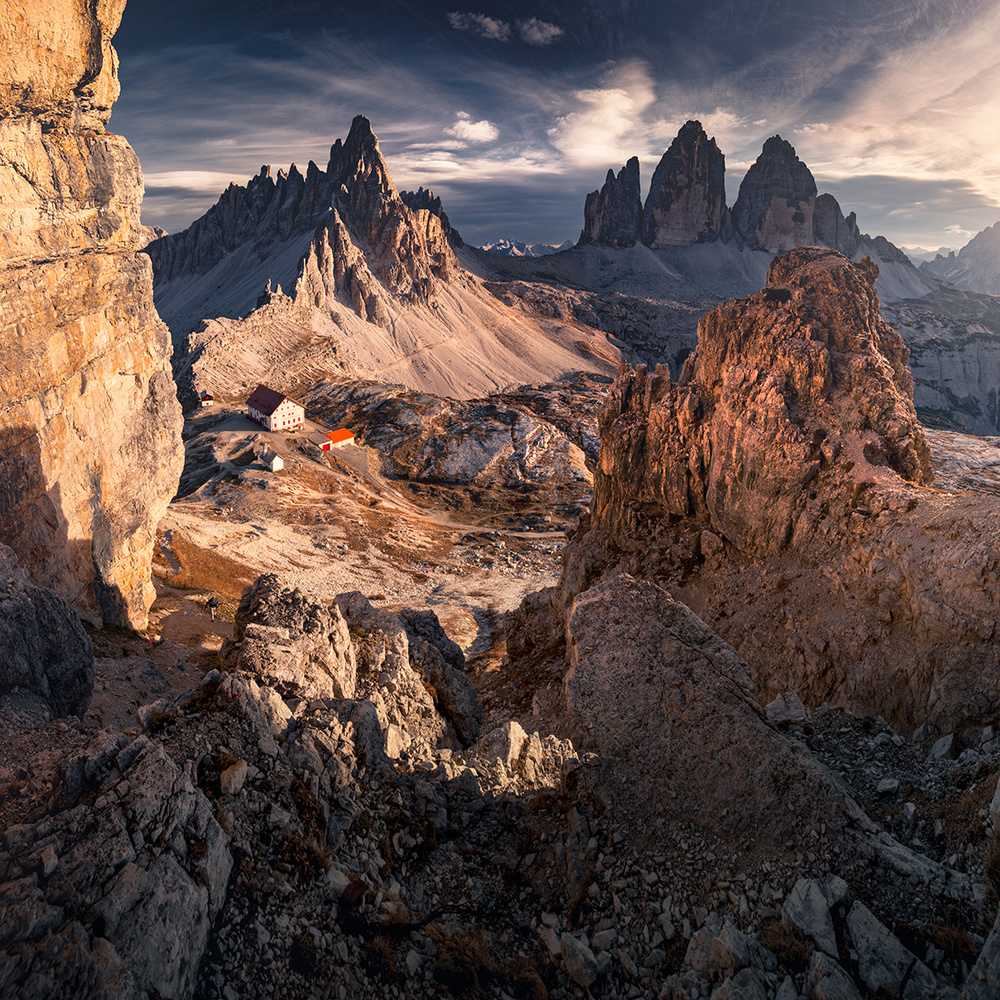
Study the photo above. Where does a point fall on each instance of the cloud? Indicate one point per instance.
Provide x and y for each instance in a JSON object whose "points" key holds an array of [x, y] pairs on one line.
{"points": [[480, 24], [536, 32], [606, 124], [469, 131]]}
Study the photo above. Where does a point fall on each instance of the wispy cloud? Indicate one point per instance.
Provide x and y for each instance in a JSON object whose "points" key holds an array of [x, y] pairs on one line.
{"points": [[605, 121], [481, 25], [530, 30], [540, 33]]}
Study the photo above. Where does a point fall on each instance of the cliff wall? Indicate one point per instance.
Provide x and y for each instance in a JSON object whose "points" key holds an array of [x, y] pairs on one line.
{"points": [[90, 447]]}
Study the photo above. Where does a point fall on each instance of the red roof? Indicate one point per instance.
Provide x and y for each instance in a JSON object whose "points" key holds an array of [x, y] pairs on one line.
{"points": [[340, 435], [266, 400]]}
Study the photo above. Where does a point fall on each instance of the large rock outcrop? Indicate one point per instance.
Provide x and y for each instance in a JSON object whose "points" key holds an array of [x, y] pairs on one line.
{"points": [[787, 466], [613, 215], [43, 647], [687, 196], [90, 449], [774, 209]]}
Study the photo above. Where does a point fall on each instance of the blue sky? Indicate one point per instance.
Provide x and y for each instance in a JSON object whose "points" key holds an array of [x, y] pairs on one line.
{"points": [[512, 112]]}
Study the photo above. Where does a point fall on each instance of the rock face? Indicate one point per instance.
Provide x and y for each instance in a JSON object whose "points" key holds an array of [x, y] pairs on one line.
{"points": [[648, 681], [426, 200], [120, 905], [975, 266], [613, 215], [90, 449], [43, 647], [687, 196], [787, 464], [293, 643], [774, 209]]}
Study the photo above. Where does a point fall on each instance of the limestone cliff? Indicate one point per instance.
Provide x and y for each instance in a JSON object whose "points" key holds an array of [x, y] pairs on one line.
{"points": [[774, 209], [612, 216], [779, 489], [687, 196], [90, 449]]}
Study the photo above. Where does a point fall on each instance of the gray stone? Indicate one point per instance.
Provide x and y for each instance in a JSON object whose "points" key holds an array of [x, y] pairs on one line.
{"points": [[807, 910], [995, 809], [232, 778], [579, 960], [551, 941], [43, 647], [943, 749], [826, 980], [887, 786], [884, 964], [293, 643], [981, 983], [49, 860], [786, 709], [787, 990]]}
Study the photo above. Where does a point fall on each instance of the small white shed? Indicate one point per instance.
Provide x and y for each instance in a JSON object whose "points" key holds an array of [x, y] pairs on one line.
{"points": [[273, 461]]}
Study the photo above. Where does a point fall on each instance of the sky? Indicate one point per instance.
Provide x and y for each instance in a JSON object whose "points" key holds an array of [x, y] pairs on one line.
{"points": [[512, 112]]}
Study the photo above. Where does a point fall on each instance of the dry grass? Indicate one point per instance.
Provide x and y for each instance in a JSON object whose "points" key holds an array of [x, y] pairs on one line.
{"points": [[306, 857], [792, 951], [202, 569]]}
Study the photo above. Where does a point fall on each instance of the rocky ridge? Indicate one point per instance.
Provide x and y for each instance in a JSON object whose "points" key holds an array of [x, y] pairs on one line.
{"points": [[334, 272], [787, 461], [974, 266], [90, 441]]}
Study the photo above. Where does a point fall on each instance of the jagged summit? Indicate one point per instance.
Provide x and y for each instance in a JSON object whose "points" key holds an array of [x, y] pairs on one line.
{"points": [[777, 209], [687, 196], [976, 265], [340, 258], [613, 215], [774, 209]]}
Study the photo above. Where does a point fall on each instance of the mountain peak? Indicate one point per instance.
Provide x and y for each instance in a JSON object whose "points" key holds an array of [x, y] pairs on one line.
{"points": [[774, 209], [687, 196]]}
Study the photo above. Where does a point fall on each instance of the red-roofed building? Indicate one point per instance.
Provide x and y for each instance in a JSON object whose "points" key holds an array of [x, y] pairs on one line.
{"points": [[340, 437], [275, 411]]}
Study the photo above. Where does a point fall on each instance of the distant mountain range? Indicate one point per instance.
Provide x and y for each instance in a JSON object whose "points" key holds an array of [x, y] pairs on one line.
{"points": [[515, 248], [976, 266]]}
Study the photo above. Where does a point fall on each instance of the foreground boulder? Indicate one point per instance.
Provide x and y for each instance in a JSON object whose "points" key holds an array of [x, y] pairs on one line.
{"points": [[787, 465], [670, 710], [43, 647], [293, 643]]}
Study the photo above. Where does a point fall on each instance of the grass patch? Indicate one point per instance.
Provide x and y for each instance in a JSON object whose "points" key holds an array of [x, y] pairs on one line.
{"points": [[790, 948], [202, 569]]}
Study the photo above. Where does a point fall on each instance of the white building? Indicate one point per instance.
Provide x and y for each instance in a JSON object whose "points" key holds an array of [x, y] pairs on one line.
{"points": [[275, 411], [274, 462]]}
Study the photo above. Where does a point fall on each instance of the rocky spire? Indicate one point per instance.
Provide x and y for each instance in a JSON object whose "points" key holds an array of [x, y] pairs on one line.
{"points": [[774, 209], [831, 229], [687, 197], [612, 216]]}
